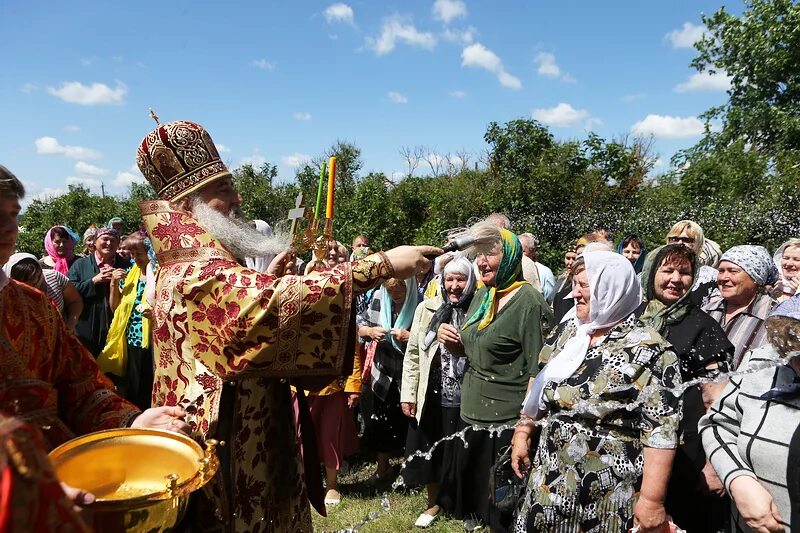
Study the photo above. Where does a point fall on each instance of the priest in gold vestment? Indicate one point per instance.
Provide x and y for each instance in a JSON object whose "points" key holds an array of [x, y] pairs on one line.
{"points": [[227, 339]]}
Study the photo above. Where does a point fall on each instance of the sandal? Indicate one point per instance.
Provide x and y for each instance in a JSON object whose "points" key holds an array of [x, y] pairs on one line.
{"points": [[332, 497]]}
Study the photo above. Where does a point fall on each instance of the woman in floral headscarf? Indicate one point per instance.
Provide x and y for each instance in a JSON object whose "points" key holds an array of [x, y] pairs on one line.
{"points": [[59, 243], [501, 338], [745, 274]]}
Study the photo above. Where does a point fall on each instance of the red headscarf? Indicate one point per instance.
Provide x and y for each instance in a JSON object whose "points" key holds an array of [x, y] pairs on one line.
{"points": [[60, 264]]}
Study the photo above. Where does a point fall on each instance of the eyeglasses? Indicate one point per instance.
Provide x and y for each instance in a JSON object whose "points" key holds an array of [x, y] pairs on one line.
{"points": [[684, 240]]}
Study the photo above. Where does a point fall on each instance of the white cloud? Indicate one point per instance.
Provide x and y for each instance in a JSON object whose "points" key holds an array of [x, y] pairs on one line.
{"points": [[463, 37], [593, 123], [46, 194], [221, 148], [397, 98], [255, 160], [29, 88], [296, 159], [704, 81], [508, 80], [668, 127], [561, 116], [50, 146], [71, 128], [125, 179], [89, 183], [686, 36], [339, 13], [85, 169], [263, 64], [550, 69], [396, 29], [458, 94], [478, 56], [447, 10], [547, 65], [632, 97], [75, 92], [301, 115]]}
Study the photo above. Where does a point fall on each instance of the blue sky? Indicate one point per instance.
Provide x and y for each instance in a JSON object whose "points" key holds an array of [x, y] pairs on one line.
{"points": [[281, 81]]}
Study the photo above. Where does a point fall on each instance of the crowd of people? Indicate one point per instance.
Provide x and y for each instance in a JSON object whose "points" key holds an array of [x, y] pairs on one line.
{"points": [[604, 389]]}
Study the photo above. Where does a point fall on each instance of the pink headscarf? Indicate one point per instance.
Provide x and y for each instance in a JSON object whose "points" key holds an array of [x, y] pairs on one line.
{"points": [[60, 264]]}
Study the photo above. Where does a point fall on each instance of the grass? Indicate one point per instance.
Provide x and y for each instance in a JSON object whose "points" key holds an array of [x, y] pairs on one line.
{"points": [[362, 511]]}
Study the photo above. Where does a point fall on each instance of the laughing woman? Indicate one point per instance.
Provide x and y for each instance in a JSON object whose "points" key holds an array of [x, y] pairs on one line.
{"points": [[501, 337], [431, 389], [695, 494]]}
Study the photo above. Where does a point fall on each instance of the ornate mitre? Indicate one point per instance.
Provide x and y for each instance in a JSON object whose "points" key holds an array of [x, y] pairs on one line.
{"points": [[178, 158]]}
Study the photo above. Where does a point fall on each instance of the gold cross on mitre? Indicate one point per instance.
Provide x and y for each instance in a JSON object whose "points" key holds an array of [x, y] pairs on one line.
{"points": [[154, 116], [297, 214]]}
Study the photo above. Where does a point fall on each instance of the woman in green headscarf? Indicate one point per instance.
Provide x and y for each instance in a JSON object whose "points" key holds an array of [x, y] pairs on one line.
{"points": [[695, 495], [501, 339]]}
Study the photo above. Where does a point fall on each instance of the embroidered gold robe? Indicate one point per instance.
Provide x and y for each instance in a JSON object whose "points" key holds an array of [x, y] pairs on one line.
{"points": [[47, 377], [218, 324]]}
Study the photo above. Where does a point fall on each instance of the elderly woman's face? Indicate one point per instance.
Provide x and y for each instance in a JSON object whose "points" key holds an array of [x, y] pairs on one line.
{"points": [[454, 285], [488, 264], [672, 281], [59, 245], [735, 285], [89, 243], [580, 291], [790, 262], [569, 258], [106, 245], [397, 293]]}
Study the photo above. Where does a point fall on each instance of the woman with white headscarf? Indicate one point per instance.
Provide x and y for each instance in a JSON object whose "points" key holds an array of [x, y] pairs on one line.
{"points": [[430, 393], [606, 449], [787, 261]]}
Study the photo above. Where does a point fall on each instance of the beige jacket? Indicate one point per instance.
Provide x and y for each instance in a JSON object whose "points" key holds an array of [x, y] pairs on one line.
{"points": [[417, 362]]}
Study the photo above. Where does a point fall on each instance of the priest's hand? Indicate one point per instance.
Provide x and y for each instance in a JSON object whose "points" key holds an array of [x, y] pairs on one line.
{"points": [[167, 417], [282, 264], [408, 261]]}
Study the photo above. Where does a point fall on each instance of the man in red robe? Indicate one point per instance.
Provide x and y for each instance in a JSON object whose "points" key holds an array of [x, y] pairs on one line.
{"points": [[228, 339]]}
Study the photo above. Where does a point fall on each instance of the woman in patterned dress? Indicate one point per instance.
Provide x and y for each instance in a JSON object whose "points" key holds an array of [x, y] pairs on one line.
{"points": [[606, 448]]}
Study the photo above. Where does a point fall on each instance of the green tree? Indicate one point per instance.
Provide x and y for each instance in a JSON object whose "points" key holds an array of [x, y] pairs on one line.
{"points": [[760, 51]]}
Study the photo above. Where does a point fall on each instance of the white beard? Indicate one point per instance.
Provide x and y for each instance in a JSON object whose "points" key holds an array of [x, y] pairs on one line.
{"points": [[237, 234]]}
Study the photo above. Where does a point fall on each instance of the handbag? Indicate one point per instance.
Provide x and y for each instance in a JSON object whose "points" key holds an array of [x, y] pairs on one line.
{"points": [[505, 488]]}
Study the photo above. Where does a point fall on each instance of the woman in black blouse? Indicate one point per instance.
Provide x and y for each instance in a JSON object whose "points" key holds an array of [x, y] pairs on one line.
{"points": [[694, 497]]}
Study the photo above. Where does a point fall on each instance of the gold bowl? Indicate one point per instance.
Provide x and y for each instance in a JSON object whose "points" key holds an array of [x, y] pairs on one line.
{"points": [[142, 478]]}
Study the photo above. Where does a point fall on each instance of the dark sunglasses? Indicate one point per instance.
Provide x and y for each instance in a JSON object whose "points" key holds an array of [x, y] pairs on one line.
{"points": [[684, 240]]}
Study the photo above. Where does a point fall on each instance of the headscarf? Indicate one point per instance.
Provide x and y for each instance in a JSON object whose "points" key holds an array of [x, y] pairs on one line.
{"points": [[406, 314], [61, 264], [91, 231], [450, 312], [755, 260], [709, 256], [508, 278], [106, 230], [114, 219], [788, 308], [637, 265], [615, 293], [16, 258], [657, 314]]}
